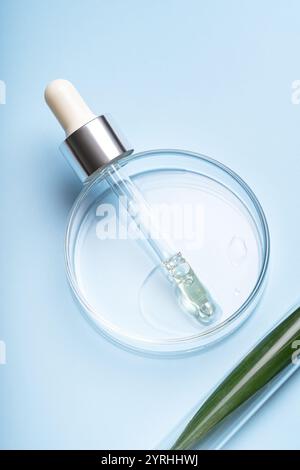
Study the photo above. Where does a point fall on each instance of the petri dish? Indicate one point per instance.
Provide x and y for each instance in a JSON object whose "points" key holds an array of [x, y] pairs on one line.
{"points": [[211, 216]]}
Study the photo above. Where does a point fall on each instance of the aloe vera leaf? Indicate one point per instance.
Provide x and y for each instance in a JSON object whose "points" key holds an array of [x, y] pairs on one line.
{"points": [[261, 365]]}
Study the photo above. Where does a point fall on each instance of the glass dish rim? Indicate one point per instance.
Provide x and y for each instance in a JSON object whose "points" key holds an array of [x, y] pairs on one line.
{"points": [[112, 331]]}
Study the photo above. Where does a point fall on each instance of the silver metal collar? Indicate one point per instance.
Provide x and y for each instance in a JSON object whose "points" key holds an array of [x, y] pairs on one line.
{"points": [[94, 145]]}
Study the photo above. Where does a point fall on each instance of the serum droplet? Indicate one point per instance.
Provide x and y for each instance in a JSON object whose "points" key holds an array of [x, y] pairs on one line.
{"points": [[237, 251]]}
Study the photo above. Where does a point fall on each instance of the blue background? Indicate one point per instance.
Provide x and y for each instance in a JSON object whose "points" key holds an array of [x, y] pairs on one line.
{"points": [[209, 76]]}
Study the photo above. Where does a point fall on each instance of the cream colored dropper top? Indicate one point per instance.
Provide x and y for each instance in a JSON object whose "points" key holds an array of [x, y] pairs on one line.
{"points": [[67, 105]]}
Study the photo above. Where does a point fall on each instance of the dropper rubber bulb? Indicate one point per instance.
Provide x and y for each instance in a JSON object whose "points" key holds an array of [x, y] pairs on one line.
{"points": [[67, 105]]}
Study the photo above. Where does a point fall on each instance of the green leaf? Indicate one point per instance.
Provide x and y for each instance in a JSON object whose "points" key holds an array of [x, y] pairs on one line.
{"points": [[261, 365]]}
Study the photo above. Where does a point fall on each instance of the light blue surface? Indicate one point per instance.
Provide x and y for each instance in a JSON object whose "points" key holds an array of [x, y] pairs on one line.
{"points": [[214, 77]]}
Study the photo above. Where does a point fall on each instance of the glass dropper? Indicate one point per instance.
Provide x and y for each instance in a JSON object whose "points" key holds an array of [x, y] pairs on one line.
{"points": [[94, 144], [193, 297]]}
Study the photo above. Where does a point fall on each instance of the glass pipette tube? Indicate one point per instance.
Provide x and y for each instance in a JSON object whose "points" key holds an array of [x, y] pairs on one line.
{"points": [[193, 297]]}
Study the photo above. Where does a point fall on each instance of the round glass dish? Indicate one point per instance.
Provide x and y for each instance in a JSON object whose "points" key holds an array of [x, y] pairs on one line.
{"points": [[212, 217]]}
